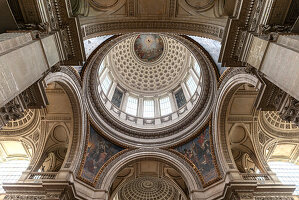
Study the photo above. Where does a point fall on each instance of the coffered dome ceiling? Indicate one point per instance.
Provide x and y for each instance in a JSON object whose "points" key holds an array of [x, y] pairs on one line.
{"points": [[166, 72], [149, 188], [149, 63]]}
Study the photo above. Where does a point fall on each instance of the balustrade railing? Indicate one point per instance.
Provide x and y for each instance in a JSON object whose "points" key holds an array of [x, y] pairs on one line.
{"points": [[256, 177], [147, 121], [42, 175]]}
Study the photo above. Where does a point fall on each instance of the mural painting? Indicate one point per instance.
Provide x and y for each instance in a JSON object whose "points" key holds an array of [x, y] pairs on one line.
{"points": [[199, 152], [148, 47], [99, 150]]}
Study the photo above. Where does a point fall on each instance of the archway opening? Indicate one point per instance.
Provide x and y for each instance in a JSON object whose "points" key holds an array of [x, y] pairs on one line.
{"points": [[148, 179], [239, 128], [58, 126]]}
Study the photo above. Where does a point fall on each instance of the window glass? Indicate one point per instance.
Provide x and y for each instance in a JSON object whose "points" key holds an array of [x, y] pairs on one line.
{"points": [[11, 171], [148, 108], [101, 68], [197, 69], [287, 173], [132, 105], [106, 84], [191, 85], [180, 98], [165, 106], [117, 97]]}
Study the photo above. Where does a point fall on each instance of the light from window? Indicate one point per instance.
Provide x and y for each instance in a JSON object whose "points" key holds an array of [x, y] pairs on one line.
{"points": [[132, 105], [101, 68], [148, 108], [106, 84], [165, 106], [11, 171], [287, 173], [191, 85], [197, 68]]}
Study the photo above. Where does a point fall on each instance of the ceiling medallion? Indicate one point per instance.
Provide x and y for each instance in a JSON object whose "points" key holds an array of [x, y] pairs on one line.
{"points": [[148, 47]]}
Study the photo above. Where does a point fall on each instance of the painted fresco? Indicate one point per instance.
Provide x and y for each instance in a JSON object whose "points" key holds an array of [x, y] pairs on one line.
{"points": [[199, 152], [148, 47], [99, 150]]}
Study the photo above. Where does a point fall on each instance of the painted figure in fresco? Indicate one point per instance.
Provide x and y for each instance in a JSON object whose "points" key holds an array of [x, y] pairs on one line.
{"points": [[99, 150], [96, 156], [148, 47], [198, 151]]}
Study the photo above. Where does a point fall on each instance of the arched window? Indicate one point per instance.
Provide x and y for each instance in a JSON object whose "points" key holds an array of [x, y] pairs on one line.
{"points": [[148, 108], [101, 69], [197, 69], [132, 105], [287, 173], [11, 171], [191, 85], [106, 84], [165, 106]]}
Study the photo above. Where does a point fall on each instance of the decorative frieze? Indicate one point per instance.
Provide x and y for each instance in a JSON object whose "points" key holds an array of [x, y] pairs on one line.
{"points": [[23, 197], [290, 110], [270, 97], [274, 198], [13, 110], [115, 27]]}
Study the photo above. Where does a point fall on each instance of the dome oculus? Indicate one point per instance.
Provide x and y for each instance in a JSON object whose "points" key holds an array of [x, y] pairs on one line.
{"points": [[148, 47]]}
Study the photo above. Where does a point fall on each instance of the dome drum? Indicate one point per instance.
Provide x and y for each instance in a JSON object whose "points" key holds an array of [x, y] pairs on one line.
{"points": [[165, 114]]}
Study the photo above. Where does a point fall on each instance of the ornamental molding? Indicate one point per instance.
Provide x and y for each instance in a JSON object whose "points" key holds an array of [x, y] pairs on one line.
{"points": [[271, 131], [290, 110], [68, 78], [123, 133], [234, 78], [33, 123], [246, 18], [111, 28], [107, 176]]}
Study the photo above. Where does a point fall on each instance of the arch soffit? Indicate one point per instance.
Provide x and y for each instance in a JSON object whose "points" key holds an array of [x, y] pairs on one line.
{"points": [[210, 31], [230, 83], [51, 136], [90, 87], [69, 80]]}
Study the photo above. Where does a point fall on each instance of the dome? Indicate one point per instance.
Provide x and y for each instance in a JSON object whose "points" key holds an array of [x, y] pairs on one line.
{"points": [[153, 83], [149, 188], [148, 63]]}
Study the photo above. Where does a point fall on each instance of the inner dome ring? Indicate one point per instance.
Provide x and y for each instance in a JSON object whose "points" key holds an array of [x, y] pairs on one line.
{"points": [[133, 135]]}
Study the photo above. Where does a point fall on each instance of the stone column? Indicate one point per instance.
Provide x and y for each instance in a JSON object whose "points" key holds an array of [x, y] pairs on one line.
{"points": [[157, 106], [24, 60], [278, 59], [140, 107]]}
